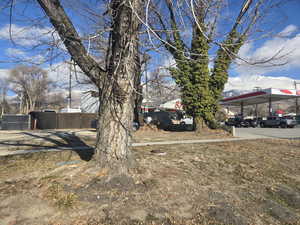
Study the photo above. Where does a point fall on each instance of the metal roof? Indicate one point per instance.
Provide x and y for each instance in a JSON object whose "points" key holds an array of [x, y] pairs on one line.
{"points": [[261, 96]]}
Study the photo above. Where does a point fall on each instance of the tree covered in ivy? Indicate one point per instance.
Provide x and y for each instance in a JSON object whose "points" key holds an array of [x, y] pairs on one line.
{"points": [[201, 87]]}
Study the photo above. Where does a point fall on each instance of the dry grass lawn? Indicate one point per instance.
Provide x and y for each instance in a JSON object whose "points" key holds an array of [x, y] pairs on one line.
{"points": [[247, 182]]}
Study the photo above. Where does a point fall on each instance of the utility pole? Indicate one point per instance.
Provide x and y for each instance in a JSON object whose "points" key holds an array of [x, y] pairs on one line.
{"points": [[297, 104], [70, 85], [146, 58], [146, 79]]}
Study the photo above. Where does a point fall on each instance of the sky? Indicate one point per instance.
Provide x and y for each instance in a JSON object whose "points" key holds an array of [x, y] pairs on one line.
{"points": [[27, 44]]}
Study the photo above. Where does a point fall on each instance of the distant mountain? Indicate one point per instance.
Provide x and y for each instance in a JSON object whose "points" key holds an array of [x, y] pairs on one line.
{"points": [[234, 92]]}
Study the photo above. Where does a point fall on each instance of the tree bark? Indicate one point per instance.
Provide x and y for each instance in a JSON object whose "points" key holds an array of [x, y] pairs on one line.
{"points": [[199, 125], [116, 85], [138, 91], [117, 95]]}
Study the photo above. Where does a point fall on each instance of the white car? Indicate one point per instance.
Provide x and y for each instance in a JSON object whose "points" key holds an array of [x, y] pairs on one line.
{"points": [[187, 121]]}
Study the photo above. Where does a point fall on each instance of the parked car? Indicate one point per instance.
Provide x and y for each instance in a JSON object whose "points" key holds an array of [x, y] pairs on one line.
{"points": [[165, 120], [237, 122], [275, 121], [135, 126], [252, 122], [297, 118], [162, 119], [187, 120]]}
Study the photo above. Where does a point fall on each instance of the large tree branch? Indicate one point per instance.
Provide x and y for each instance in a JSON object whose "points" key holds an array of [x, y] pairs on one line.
{"points": [[71, 39], [164, 27], [175, 31], [243, 11], [254, 17]]}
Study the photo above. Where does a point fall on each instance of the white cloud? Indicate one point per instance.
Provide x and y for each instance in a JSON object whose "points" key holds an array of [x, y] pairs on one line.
{"points": [[4, 73], [28, 35], [13, 52], [289, 30], [250, 82], [21, 56], [37, 59], [285, 45], [60, 74], [284, 50]]}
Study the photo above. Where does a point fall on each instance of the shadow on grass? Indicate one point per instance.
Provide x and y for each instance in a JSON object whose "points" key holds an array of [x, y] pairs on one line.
{"points": [[59, 139]]}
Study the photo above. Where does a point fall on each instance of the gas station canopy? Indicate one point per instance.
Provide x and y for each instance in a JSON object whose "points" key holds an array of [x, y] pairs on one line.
{"points": [[262, 96]]}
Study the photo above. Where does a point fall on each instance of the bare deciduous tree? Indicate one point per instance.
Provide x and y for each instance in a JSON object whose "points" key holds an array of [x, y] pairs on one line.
{"points": [[161, 88], [31, 84], [3, 94], [202, 86], [115, 82]]}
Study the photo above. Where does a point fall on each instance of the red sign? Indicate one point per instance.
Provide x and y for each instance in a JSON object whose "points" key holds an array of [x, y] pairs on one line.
{"points": [[298, 92], [279, 111], [286, 91], [178, 105]]}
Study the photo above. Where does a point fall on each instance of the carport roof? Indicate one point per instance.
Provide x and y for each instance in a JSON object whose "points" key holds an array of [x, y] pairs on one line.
{"points": [[261, 96]]}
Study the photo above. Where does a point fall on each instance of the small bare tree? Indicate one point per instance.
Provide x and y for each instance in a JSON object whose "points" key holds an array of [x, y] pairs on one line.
{"points": [[3, 94], [161, 88], [30, 83]]}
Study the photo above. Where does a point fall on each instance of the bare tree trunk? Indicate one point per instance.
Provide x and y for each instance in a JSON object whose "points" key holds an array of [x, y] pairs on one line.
{"points": [[199, 125], [117, 94], [27, 105], [116, 84], [138, 90]]}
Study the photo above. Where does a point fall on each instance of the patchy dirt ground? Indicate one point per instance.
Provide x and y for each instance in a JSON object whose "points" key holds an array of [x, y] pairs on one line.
{"points": [[238, 183]]}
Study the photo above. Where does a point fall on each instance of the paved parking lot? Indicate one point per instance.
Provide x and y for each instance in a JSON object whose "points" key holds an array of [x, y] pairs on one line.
{"points": [[268, 132]]}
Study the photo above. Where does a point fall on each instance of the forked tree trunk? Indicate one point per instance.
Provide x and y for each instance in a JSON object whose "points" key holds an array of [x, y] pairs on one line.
{"points": [[116, 84], [117, 94], [199, 125]]}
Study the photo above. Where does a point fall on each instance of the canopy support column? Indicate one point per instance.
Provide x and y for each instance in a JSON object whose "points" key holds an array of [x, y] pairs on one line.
{"points": [[256, 111], [242, 109], [270, 106]]}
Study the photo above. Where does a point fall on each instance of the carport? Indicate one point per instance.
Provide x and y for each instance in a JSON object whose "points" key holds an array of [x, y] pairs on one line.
{"points": [[268, 95]]}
